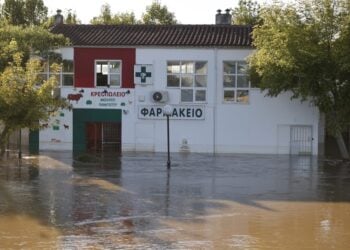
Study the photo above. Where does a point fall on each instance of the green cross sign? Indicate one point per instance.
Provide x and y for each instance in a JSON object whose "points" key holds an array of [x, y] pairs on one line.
{"points": [[143, 74]]}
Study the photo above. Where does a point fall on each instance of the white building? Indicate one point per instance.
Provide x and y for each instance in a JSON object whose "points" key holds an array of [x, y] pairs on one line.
{"points": [[118, 79]]}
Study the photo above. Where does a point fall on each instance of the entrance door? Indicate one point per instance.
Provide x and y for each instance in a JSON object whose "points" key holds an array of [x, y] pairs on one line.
{"points": [[103, 137], [111, 134], [301, 140]]}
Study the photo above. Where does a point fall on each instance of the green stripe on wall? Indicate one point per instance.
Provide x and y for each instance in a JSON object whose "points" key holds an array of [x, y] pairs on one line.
{"points": [[34, 141]]}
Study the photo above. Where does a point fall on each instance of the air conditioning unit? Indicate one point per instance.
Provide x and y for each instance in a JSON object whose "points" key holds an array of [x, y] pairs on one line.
{"points": [[159, 96]]}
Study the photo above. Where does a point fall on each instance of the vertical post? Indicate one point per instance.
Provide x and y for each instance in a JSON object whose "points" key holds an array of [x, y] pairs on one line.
{"points": [[168, 111], [20, 144], [168, 138]]}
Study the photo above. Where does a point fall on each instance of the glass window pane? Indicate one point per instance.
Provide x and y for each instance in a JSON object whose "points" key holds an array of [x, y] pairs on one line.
{"points": [[186, 95], [67, 80], [67, 66], [114, 67], [187, 67], [173, 81], [229, 95], [187, 81], [242, 82], [243, 96], [102, 67], [230, 67], [229, 81], [242, 68], [201, 81], [201, 68], [200, 96], [105, 69], [101, 79], [114, 80], [173, 67]]}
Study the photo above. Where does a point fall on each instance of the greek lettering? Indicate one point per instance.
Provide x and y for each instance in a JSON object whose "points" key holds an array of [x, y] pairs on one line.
{"points": [[182, 112], [199, 113], [144, 111], [175, 113], [185, 113]]}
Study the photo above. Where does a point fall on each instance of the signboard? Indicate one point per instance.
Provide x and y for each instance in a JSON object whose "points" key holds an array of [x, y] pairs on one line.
{"points": [[107, 98], [143, 74], [180, 112]]}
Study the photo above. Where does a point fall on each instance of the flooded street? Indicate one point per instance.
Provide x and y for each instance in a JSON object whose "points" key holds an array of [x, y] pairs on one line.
{"points": [[202, 202]]}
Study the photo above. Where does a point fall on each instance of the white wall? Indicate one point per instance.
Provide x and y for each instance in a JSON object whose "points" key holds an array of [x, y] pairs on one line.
{"points": [[57, 133], [262, 126]]}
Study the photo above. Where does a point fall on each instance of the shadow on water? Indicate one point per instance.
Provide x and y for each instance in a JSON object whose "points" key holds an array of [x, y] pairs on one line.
{"points": [[134, 195]]}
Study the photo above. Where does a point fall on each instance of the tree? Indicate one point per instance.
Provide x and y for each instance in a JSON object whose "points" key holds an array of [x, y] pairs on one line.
{"points": [[30, 40], [35, 12], [305, 49], [106, 17], [13, 12], [247, 12], [71, 18], [125, 18], [25, 98], [24, 12], [158, 14]]}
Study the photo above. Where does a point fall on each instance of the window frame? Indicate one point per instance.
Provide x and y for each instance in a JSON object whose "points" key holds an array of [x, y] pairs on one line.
{"points": [[182, 73], [46, 73], [66, 73], [235, 88], [109, 73]]}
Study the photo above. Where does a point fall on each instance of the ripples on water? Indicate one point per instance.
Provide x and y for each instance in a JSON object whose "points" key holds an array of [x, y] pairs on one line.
{"points": [[203, 202]]}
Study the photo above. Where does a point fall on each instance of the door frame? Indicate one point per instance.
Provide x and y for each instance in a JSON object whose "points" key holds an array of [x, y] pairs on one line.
{"points": [[82, 116]]}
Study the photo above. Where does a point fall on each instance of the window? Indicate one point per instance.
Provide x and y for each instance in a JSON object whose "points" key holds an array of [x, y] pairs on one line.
{"points": [[235, 82], [65, 76], [108, 73], [190, 77]]}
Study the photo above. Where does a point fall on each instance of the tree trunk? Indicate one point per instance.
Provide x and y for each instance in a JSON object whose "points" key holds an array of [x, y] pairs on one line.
{"points": [[3, 141], [341, 145]]}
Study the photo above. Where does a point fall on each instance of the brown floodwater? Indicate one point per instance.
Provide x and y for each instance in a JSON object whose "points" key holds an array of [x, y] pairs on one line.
{"points": [[202, 202]]}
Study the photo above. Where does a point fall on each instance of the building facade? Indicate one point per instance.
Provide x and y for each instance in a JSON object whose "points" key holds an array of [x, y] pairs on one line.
{"points": [[119, 78]]}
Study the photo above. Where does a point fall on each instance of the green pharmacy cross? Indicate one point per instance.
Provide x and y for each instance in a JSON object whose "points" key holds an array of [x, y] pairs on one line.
{"points": [[143, 74]]}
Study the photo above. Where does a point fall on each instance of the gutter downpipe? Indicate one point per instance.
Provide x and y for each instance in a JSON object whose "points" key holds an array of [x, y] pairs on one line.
{"points": [[215, 98]]}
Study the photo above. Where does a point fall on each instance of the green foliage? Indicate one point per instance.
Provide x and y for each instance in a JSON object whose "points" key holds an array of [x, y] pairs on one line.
{"points": [[35, 12], [24, 12], [305, 49], [25, 99], [247, 12], [158, 14], [31, 40], [155, 14], [106, 17], [71, 18]]}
